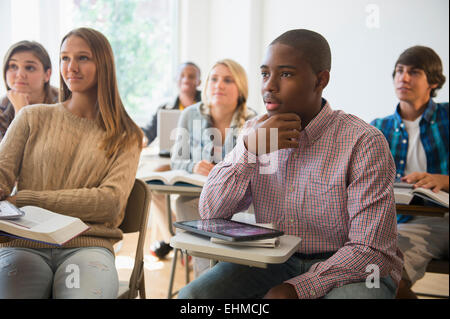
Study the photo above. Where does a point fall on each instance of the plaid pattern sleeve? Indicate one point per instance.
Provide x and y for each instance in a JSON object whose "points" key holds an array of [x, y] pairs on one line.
{"points": [[335, 192], [434, 133], [372, 229], [227, 191]]}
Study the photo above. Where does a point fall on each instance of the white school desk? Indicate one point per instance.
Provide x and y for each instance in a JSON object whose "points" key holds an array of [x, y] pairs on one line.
{"points": [[201, 246], [149, 161]]}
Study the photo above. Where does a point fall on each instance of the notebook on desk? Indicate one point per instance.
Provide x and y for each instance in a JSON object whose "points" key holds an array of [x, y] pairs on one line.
{"points": [[167, 122]]}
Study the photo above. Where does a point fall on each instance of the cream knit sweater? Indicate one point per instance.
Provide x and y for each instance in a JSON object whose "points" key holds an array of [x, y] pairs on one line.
{"points": [[55, 157]]}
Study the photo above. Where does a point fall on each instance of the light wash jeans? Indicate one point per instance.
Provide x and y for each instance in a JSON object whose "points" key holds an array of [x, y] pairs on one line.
{"points": [[79, 273], [232, 281]]}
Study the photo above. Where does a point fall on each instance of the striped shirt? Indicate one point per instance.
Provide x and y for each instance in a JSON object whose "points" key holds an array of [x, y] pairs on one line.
{"points": [[433, 135], [335, 192]]}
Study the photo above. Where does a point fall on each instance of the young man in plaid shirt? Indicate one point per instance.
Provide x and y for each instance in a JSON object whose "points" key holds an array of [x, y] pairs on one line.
{"points": [[329, 182], [418, 138]]}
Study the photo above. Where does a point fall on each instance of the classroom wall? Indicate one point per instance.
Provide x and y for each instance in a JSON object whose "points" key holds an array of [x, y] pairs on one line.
{"points": [[366, 38]]}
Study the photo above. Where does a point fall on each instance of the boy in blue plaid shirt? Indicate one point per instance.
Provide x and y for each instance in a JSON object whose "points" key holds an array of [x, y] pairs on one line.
{"points": [[418, 138]]}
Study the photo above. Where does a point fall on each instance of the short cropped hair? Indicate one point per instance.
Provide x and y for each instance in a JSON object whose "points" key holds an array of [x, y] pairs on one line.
{"points": [[313, 47], [426, 59], [182, 65]]}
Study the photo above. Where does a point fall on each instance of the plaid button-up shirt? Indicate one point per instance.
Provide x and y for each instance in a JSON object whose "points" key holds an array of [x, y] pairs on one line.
{"points": [[6, 115], [335, 192], [433, 135]]}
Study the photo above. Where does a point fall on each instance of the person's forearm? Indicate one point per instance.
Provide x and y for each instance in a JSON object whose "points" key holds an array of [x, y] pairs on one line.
{"points": [[98, 205], [227, 190]]}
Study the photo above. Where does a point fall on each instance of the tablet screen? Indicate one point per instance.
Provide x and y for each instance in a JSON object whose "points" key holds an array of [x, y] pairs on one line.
{"points": [[228, 229]]}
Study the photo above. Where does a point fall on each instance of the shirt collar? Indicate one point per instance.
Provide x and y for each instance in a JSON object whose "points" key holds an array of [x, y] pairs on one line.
{"points": [[174, 102], [204, 110], [319, 123], [427, 114], [429, 111]]}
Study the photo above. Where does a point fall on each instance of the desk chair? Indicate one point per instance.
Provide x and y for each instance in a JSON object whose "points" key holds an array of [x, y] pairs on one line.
{"points": [[135, 220]]}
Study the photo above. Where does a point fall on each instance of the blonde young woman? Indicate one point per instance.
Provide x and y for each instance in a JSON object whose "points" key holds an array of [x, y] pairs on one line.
{"points": [[26, 72], [222, 112], [77, 158], [213, 126]]}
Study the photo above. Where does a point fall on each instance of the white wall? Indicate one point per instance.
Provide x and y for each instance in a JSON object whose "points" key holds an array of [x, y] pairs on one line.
{"points": [[218, 29], [363, 52], [363, 57], [35, 25]]}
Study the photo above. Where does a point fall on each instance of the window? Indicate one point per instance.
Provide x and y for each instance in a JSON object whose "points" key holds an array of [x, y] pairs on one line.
{"points": [[142, 34]]}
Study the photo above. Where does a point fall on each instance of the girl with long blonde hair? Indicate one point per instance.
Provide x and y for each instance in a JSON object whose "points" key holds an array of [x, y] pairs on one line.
{"points": [[208, 130]]}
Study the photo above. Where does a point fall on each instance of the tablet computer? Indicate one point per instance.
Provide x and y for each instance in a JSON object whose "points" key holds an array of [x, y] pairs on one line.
{"points": [[9, 211], [228, 229]]}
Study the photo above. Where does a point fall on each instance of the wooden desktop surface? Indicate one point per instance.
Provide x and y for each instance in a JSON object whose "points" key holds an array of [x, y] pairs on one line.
{"points": [[415, 210]]}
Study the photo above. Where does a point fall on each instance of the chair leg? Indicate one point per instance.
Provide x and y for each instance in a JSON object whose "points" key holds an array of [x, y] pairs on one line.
{"points": [[142, 289], [172, 273], [186, 264]]}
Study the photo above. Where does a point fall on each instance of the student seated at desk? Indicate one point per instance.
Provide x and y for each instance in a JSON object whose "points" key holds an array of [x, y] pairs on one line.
{"points": [[332, 186], [208, 130], [418, 138], [78, 158], [188, 79], [26, 71]]}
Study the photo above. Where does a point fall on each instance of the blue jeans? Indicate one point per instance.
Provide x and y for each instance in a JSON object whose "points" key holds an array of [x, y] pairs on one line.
{"points": [[232, 281], [87, 273]]}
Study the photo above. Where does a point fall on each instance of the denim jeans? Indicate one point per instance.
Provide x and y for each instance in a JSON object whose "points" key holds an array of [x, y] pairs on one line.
{"points": [[58, 273], [232, 281]]}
